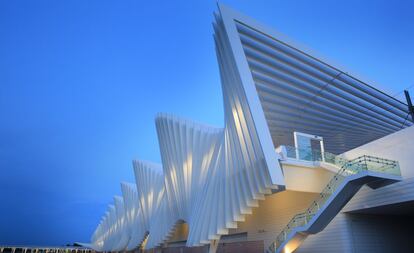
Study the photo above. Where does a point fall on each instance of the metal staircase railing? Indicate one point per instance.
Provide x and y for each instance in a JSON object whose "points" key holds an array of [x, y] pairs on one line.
{"points": [[347, 168]]}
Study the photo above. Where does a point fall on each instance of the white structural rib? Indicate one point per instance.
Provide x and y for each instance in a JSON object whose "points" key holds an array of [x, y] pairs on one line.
{"points": [[133, 214], [150, 187], [210, 178], [189, 152], [121, 234]]}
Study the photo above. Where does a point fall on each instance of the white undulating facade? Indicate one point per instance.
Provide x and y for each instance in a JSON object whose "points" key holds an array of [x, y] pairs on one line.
{"points": [[310, 159]]}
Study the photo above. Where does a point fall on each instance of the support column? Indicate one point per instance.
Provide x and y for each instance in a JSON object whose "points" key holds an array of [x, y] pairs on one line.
{"points": [[212, 247]]}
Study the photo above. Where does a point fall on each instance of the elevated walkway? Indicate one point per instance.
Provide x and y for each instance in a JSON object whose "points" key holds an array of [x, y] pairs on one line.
{"points": [[350, 177]]}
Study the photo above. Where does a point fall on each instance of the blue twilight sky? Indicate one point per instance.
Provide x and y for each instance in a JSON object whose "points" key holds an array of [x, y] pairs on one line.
{"points": [[81, 82]]}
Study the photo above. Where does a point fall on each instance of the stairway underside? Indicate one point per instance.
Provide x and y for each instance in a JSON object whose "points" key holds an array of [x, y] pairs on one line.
{"points": [[348, 188]]}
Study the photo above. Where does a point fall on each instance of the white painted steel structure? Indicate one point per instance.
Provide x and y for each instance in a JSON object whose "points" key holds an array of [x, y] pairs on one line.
{"points": [[210, 178]]}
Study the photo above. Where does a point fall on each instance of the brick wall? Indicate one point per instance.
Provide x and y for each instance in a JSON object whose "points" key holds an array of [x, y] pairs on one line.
{"points": [[184, 249], [241, 247], [232, 247]]}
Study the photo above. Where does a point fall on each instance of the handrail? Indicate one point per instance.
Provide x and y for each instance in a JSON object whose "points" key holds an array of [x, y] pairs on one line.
{"points": [[347, 168]]}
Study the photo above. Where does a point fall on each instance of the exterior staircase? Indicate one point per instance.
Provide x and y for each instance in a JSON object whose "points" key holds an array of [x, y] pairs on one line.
{"points": [[351, 176]]}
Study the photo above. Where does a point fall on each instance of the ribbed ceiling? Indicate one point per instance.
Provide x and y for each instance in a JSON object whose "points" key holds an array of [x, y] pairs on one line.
{"points": [[300, 93]]}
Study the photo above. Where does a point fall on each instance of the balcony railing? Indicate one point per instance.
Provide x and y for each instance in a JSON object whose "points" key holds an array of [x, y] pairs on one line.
{"points": [[312, 155], [346, 168]]}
